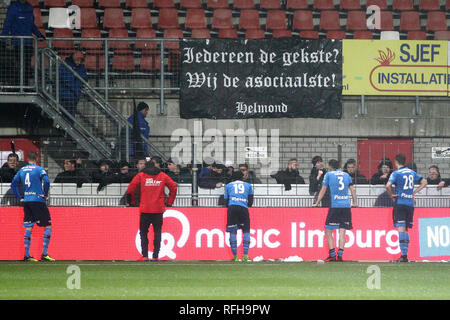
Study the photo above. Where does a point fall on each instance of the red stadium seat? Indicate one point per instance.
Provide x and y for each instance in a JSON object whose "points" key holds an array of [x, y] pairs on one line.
{"points": [[200, 34], [442, 35], [249, 19], [323, 5], [350, 5], [193, 4], [362, 35], [228, 33], [37, 17], [146, 45], [303, 20], [109, 3], [329, 20], [336, 34], [387, 21], [91, 45], [429, 5], [436, 21], [117, 45], [356, 20], [222, 19], [281, 33], [382, 4], [409, 21], [65, 46], [217, 4], [136, 4], [309, 34], [296, 4], [123, 62], [195, 19], [94, 62], [150, 62], [417, 35], [270, 4], [88, 18], [276, 19], [83, 3], [255, 34], [54, 3], [113, 18], [168, 18], [403, 5], [141, 18], [173, 34], [163, 3], [244, 4]]}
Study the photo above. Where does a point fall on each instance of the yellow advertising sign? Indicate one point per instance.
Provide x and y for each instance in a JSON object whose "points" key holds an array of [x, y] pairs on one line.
{"points": [[390, 67]]}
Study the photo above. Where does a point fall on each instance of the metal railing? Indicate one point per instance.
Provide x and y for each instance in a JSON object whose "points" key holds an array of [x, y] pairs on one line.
{"points": [[113, 195]]}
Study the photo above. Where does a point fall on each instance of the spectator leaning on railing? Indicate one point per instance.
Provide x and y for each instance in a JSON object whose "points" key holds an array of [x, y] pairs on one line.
{"points": [[384, 172], [352, 170], [71, 174], [290, 175]]}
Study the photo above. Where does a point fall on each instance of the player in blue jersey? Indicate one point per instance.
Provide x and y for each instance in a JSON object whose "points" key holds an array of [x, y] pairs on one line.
{"points": [[339, 213], [35, 184], [238, 197], [403, 179]]}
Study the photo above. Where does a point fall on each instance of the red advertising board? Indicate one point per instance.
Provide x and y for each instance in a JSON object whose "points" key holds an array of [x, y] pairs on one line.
{"points": [[111, 233]]}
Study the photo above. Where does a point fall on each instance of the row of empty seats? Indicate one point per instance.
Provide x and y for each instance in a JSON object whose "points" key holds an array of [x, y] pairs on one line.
{"points": [[400, 5]]}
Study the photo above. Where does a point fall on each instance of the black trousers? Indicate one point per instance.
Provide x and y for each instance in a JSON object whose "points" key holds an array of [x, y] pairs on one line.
{"points": [[147, 219]]}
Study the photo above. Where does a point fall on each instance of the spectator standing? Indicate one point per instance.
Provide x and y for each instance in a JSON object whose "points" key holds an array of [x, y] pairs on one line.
{"points": [[69, 85], [384, 172], [140, 125], [71, 174], [9, 168], [103, 174], [19, 21], [316, 176], [352, 170]]}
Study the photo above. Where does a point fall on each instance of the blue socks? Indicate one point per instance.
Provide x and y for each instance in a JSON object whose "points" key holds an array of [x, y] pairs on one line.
{"points": [[246, 242], [233, 243], [47, 233], [340, 252], [403, 238], [27, 242]]}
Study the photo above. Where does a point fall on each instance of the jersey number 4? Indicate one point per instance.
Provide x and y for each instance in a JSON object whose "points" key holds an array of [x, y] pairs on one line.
{"points": [[27, 180]]}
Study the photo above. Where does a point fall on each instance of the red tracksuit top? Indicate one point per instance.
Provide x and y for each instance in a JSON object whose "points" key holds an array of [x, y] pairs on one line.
{"points": [[152, 182]]}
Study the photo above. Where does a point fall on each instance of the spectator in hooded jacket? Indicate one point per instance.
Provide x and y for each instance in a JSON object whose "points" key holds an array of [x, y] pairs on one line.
{"points": [[142, 110], [69, 85], [19, 21]]}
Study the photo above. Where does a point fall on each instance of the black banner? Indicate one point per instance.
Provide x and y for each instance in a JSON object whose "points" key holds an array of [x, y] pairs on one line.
{"points": [[264, 78]]}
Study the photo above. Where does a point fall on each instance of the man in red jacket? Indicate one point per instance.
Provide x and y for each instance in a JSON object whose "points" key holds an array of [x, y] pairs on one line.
{"points": [[152, 182]]}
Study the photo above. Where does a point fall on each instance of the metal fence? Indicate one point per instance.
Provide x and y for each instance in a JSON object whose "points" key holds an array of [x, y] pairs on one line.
{"points": [[271, 195]]}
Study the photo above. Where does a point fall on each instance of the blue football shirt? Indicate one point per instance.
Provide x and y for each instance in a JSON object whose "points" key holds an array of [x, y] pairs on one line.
{"points": [[403, 179], [338, 182], [35, 183], [237, 193]]}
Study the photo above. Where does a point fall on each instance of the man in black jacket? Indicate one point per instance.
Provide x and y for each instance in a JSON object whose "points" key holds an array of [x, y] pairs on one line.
{"points": [[290, 175], [9, 168], [71, 174], [357, 177]]}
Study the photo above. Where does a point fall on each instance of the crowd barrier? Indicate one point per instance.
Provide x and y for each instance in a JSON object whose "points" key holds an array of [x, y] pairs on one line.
{"points": [[288, 234], [266, 195]]}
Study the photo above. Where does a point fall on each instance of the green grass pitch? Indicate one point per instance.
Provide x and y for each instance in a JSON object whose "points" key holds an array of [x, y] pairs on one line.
{"points": [[218, 280]]}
